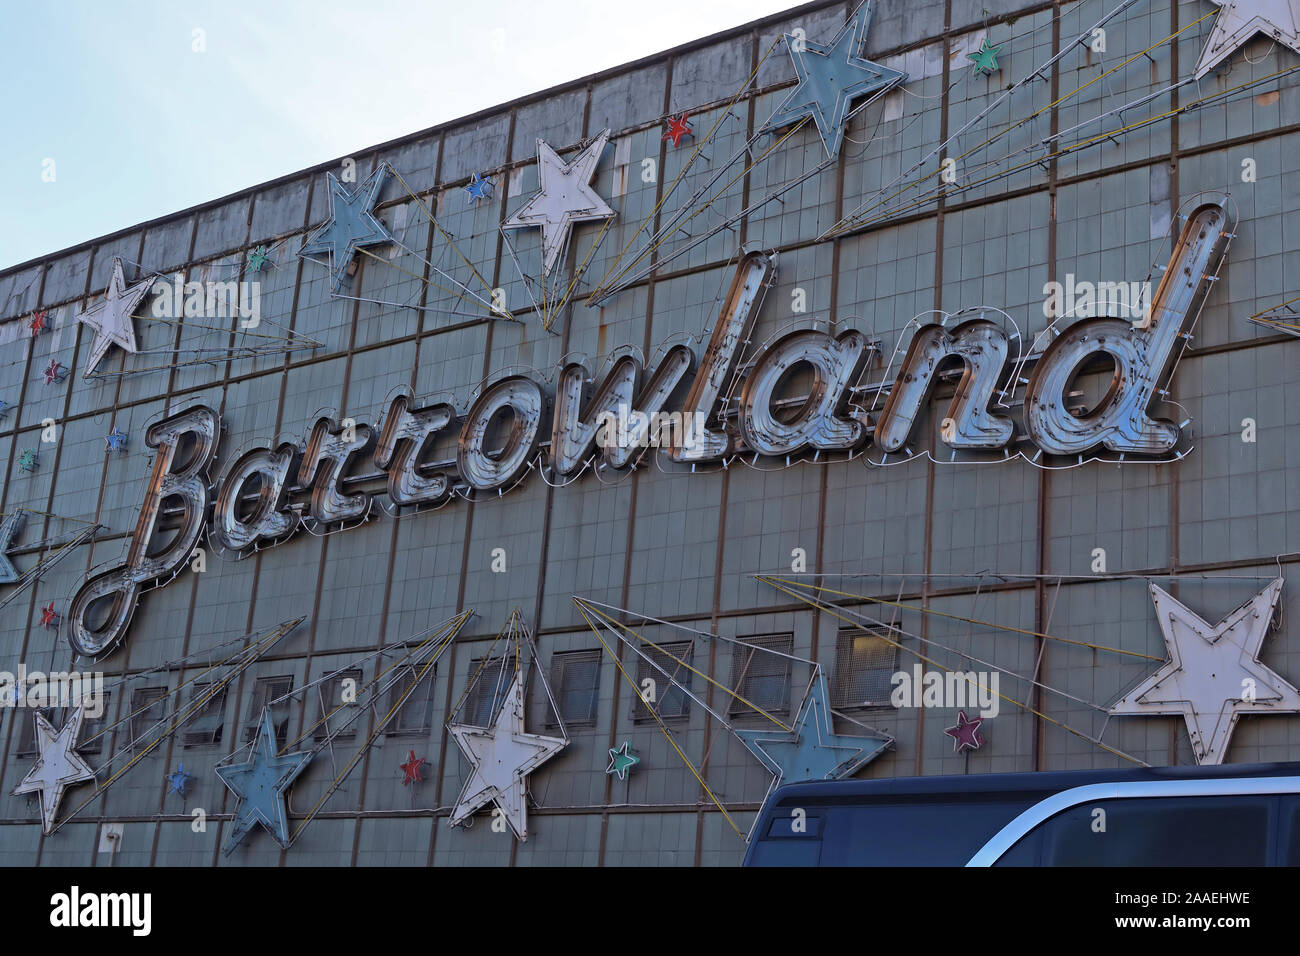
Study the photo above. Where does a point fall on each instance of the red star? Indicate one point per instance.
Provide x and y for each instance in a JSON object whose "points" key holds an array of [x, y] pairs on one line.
{"points": [[412, 769], [48, 616], [966, 735], [37, 324], [677, 128], [53, 371]]}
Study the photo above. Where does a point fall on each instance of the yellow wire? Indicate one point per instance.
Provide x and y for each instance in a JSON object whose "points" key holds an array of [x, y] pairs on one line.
{"points": [[855, 220], [1015, 703], [706, 677], [957, 617], [662, 726], [699, 146]]}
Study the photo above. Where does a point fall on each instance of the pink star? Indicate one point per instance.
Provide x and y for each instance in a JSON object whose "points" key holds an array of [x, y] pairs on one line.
{"points": [[966, 735], [53, 372]]}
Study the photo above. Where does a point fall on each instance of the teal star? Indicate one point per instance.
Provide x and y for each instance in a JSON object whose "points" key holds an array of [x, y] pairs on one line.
{"points": [[621, 760], [986, 58], [351, 226], [28, 461], [830, 77], [259, 259], [260, 784], [812, 750]]}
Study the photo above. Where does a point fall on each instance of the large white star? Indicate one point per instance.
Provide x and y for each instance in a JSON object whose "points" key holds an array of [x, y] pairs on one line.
{"points": [[1240, 20], [1213, 674], [564, 198], [110, 320], [58, 767], [502, 757]]}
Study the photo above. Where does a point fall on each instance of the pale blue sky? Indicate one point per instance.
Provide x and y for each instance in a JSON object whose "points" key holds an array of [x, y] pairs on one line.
{"points": [[139, 124]]}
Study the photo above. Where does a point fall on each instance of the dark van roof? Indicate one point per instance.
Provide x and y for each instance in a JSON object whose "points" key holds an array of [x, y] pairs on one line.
{"points": [[824, 792]]}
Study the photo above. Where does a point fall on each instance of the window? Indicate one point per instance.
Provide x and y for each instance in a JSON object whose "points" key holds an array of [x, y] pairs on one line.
{"points": [[148, 709], [206, 726], [91, 739], [266, 690], [864, 668], [26, 718], [760, 677], [575, 681], [335, 698], [915, 831], [1151, 831], [485, 697], [416, 715], [669, 700]]}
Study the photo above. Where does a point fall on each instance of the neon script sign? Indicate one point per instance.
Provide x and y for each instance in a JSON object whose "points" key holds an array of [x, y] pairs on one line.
{"points": [[729, 409]]}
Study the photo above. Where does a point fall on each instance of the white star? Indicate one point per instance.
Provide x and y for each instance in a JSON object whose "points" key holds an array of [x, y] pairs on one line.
{"points": [[565, 197], [1239, 22], [110, 320], [58, 767], [502, 757], [1213, 674]]}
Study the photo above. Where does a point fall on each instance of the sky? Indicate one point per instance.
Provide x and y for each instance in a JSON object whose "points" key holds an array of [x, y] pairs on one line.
{"points": [[118, 113]]}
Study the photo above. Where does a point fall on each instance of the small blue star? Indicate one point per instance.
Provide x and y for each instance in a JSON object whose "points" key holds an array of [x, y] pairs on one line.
{"points": [[351, 225], [116, 439], [830, 78], [480, 187], [178, 780], [4, 408]]}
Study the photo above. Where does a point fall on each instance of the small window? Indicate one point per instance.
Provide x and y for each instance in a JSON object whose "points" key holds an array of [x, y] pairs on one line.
{"points": [[865, 664], [760, 677], [575, 680], [485, 697], [335, 699], [670, 700], [148, 710], [266, 690], [26, 718], [208, 722], [416, 715], [91, 739]]}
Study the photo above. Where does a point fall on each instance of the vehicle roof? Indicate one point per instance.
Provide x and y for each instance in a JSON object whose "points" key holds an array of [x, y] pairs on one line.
{"points": [[1004, 784]]}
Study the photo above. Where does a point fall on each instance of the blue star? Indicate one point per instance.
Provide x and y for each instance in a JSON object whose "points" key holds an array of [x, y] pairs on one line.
{"points": [[830, 78], [480, 187], [4, 408], [116, 439], [178, 780], [813, 751], [260, 784], [351, 225]]}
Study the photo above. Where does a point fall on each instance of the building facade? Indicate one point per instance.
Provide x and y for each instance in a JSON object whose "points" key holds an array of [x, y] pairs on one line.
{"points": [[1001, 171]]}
